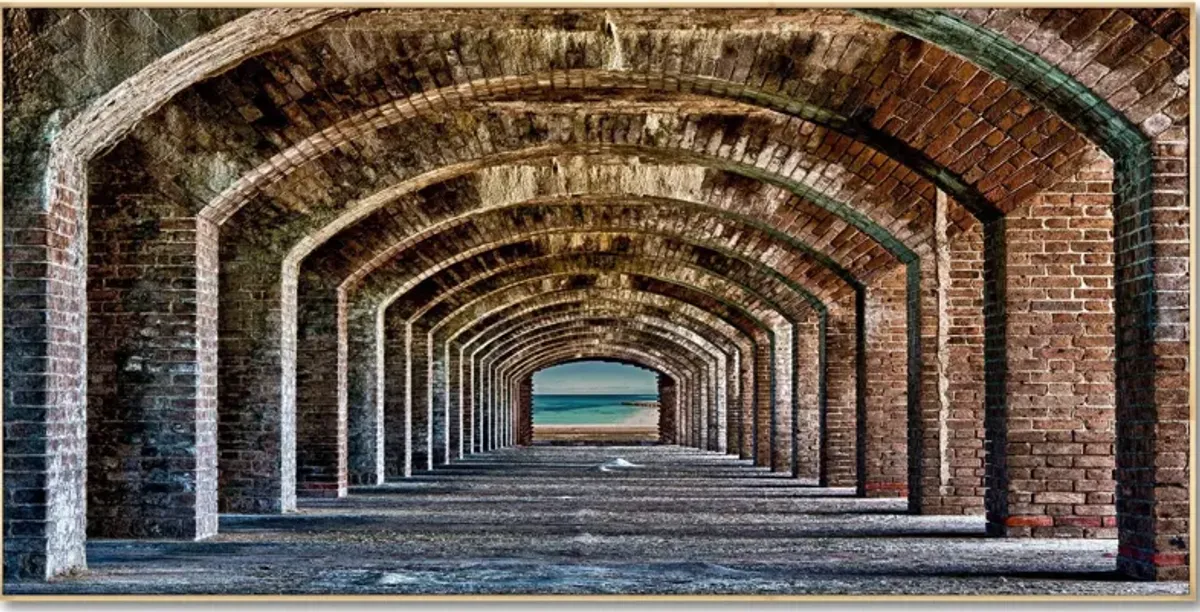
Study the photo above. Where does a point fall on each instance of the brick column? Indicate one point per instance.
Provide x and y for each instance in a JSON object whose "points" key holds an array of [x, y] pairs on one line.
{"points": [[1154, 425], [365, 357], [839, 465], [480, 407], [470, 401], [525, 412], [749, 401], [397, 418], [712, 395], [733, 403], [487, 419], [256, 430], [806, 459], [695, 397], [439, 414], [321, 445], [963, 373], [507, 388], [45, 374], [419, 405], [884, 419], [685, 403], [1051, 439], [667, 408], [760, 419], [453, 402], [152, 359], [781, 418]]}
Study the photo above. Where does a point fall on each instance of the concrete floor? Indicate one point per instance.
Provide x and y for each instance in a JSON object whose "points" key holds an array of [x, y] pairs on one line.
{"points": [[550, 520]]}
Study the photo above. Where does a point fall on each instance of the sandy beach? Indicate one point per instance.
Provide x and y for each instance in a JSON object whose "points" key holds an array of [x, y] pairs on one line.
{"points": [[641, 426]]}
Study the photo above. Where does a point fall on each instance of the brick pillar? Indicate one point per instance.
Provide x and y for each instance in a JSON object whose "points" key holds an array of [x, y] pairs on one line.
{"points": [[680, 402], [683, 419], [152, 358], [470, 402], [749, 401], [667, 409], [839, 465], [256, 429], [884, 420], [1051, 439], [439, 414], [453, 402], [419, 405], [487, 420], [1152, 301], [494, 416], [506, 404], [781, 417], [710, 407], [365, 357], [480, 406], [962, 326], [760, 421], [714, 392], [514, 398], [733, 404], [700, 411], [926, 419], [805, 459], [397, 416], [728, 403], [693, 410], [1153, 413], [525, 412], [321, 444], [45, 375]]}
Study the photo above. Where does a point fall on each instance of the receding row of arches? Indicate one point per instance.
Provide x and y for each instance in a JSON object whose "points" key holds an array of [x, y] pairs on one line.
{"points": [[902, 250]]}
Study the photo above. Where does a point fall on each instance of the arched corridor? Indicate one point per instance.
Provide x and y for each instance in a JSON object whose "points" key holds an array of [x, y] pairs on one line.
{"points": [[914, 285]]}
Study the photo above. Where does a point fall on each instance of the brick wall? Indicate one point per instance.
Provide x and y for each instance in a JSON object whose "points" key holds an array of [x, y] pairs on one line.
{"points": [[806, 459], [839, 465], [321, 416], [963, 363], [668, 407], [524, 435], [256, 428], [365, 392], [397, 419], [151, 369], [782, 424], [884, 418], [760, 427], [420, 405], [1057, 424]]}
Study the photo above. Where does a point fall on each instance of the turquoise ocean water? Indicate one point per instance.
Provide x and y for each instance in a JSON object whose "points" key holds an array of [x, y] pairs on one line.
{"points": [[585, 409]]}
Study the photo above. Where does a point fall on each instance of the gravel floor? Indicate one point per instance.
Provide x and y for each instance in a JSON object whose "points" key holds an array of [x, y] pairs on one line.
{"points": [[555, 520]]}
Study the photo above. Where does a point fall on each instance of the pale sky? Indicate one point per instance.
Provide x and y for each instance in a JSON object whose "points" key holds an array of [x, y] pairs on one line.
{"points": [[594, 377]]}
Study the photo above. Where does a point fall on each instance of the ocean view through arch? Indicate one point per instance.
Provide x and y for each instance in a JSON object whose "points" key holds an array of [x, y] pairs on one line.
{"points": [[590, 401]]}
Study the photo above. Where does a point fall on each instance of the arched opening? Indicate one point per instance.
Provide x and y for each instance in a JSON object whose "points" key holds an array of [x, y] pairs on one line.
{"points": [[595, 402]]}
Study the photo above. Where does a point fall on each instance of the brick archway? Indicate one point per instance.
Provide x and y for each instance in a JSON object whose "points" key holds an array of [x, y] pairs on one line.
{"points": [[1044, 113]]}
